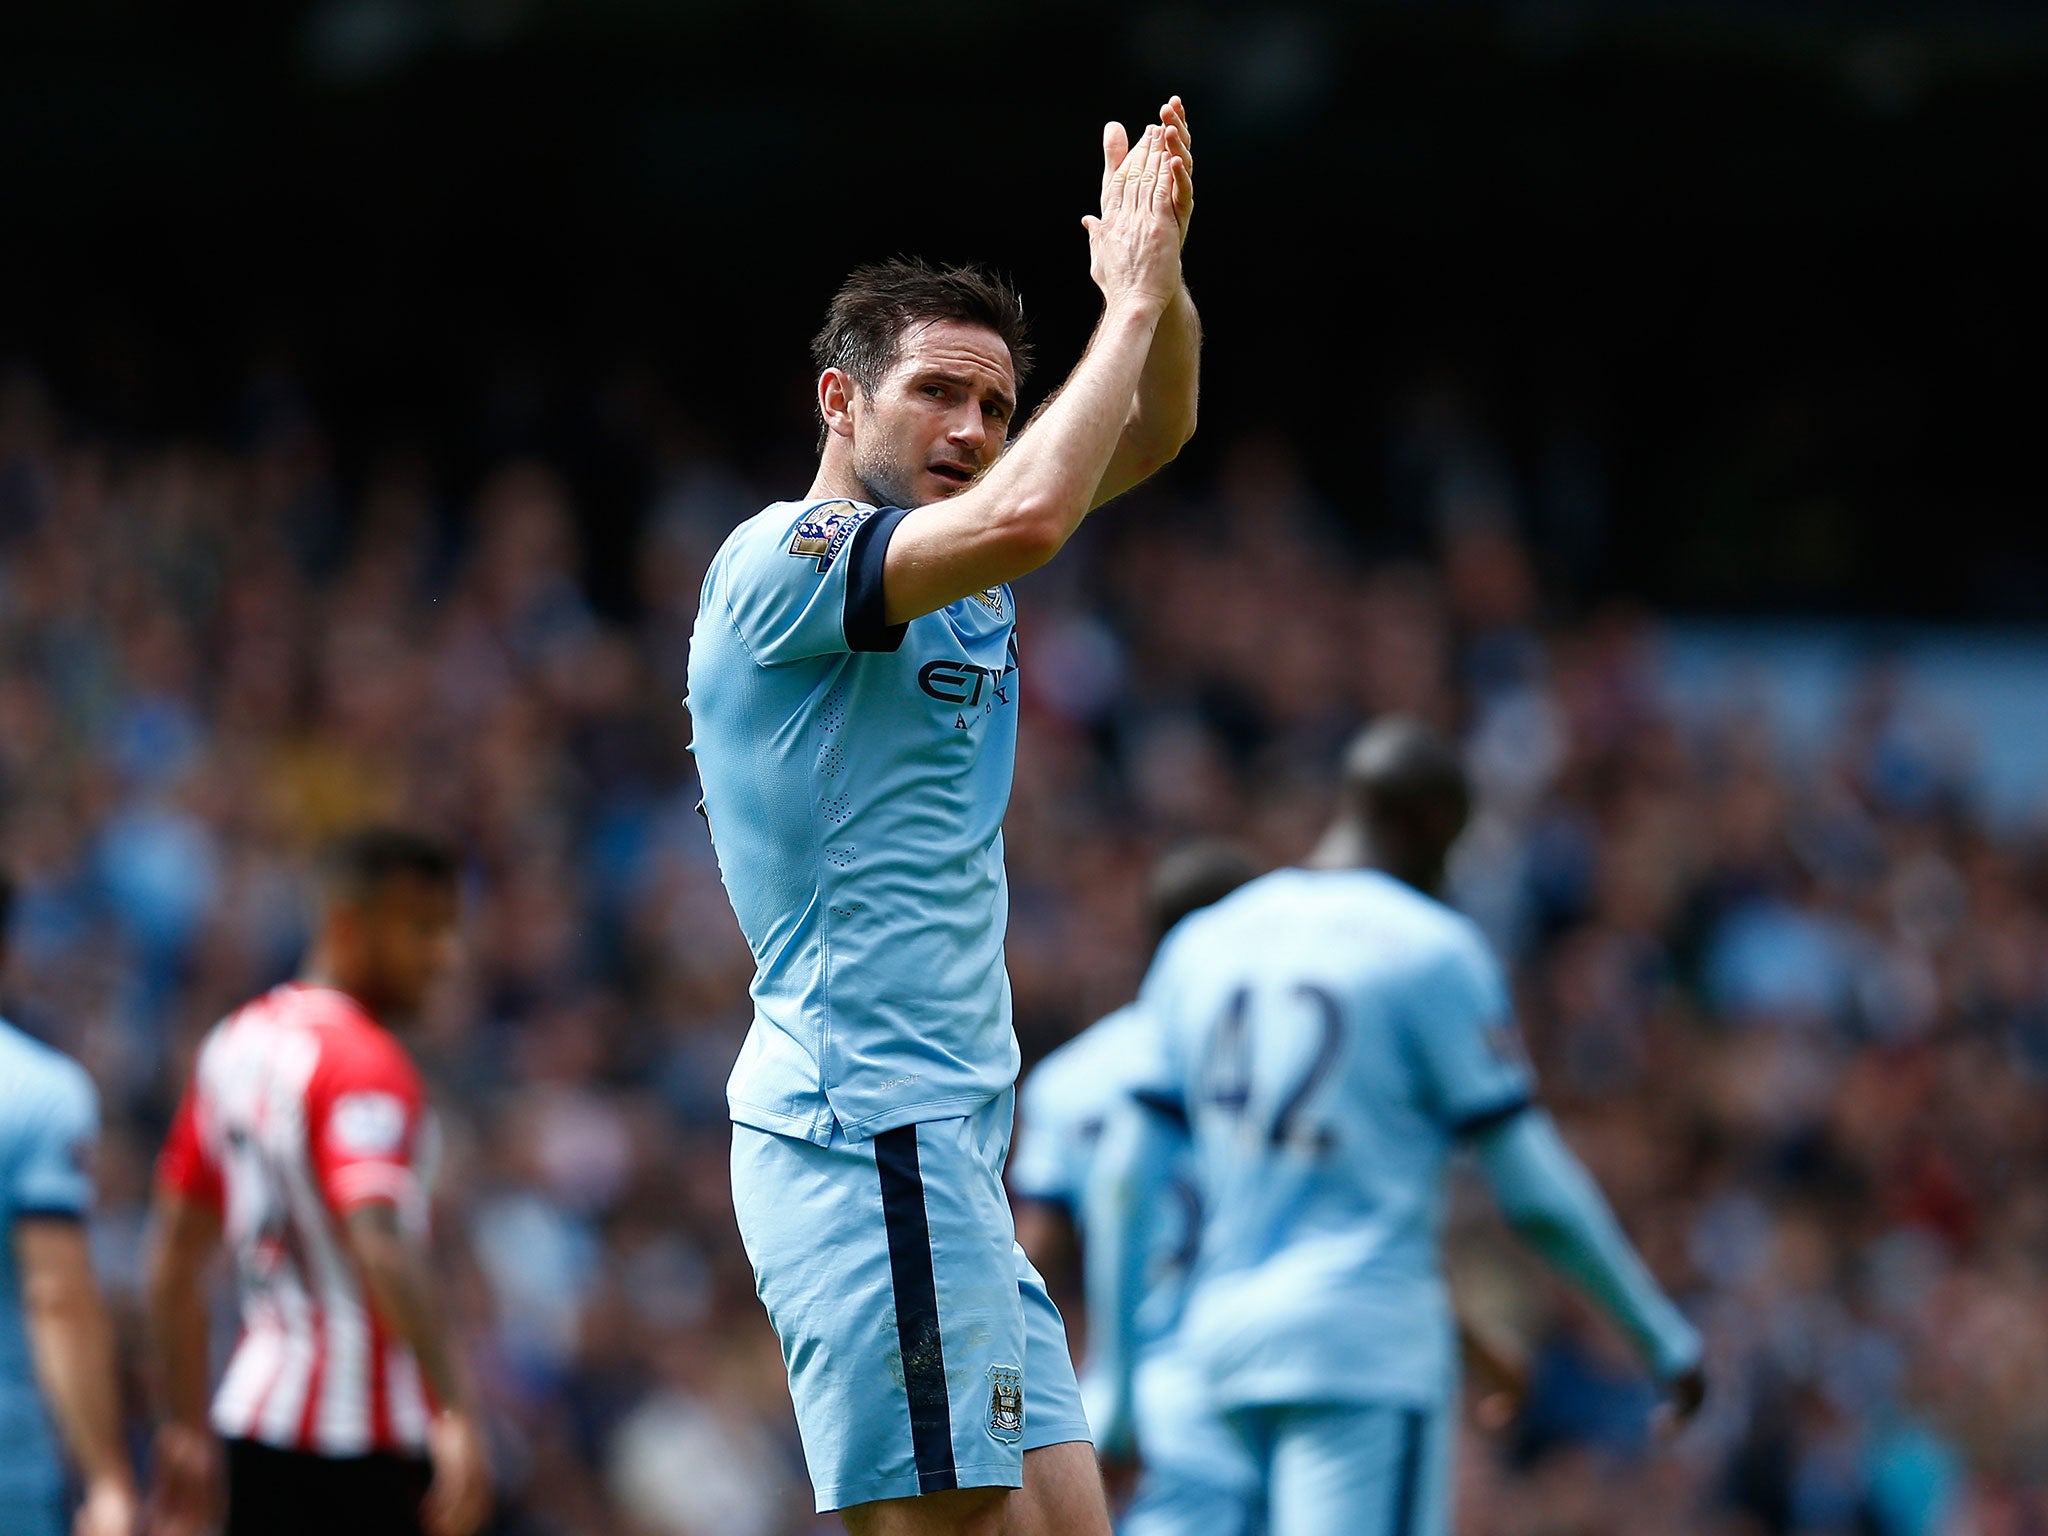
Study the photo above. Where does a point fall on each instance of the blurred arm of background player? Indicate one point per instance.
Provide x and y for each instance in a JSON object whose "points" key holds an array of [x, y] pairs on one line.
{"points": [[398, 1274], [1497, 1367], [1046, 1233], [1552, 1203], [1027, 505], [1130, 1174], [73, 1343], [185, 1468]]}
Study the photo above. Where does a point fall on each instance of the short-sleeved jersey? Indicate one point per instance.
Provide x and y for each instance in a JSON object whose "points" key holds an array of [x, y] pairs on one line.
{"points": [[49, 1117], [300, 1109], [1062, 1108], [855, 776], [1331, 1034]]}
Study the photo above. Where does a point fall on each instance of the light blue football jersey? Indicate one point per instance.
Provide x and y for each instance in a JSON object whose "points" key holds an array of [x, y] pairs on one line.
{"points": [[1331, 1034], [855, 777], [1061, 1110], [49, 1116]]}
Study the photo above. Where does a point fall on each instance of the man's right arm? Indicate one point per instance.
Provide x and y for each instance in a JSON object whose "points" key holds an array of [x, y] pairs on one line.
{"points": [[402, 1291], [1028, 504]]}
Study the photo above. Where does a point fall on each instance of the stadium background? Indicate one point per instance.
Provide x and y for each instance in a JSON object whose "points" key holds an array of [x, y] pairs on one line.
{"points": [[1647, 393]]}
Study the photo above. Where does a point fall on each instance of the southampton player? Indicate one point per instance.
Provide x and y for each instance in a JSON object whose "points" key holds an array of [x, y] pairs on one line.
{"points": [[1330, 1035], [853, 690], [304, 1139], [1193, 1475], [56, 1343]]}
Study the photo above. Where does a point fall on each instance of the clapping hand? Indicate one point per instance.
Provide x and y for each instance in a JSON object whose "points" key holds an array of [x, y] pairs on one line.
{"points": [[1147, 196]]}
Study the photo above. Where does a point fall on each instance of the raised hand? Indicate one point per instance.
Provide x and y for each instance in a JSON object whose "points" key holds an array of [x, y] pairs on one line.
{"points": [[1134, 244], [1173, 117]]}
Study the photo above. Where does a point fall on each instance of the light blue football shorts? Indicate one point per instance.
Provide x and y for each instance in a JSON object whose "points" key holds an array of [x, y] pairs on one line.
{"points": [[1196, 1476], [923, 1351], [1352, 1469]]}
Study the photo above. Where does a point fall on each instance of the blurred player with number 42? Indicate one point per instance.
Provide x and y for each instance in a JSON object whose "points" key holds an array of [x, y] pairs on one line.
{"points": [[1327, 1038]]}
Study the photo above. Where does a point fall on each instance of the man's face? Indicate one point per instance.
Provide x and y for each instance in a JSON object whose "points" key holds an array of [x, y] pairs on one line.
{"points": [[938, 419], [409, 935]]}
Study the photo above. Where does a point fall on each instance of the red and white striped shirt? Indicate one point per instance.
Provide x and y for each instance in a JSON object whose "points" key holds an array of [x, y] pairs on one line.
{"points": [[300, 1109]]}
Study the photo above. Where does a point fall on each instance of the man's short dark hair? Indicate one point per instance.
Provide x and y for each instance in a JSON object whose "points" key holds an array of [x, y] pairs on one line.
{"points": [[1191, 877], [1398, 764], [876, 304], [355, 867]]}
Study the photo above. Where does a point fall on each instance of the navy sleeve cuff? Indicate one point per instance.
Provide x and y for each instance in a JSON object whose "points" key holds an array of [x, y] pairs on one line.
{"points": [[866, 629], [1167, 1106], [1487, 1119]]}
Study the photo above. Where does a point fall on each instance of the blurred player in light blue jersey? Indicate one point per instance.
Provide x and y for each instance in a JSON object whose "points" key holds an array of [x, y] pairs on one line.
{"points": [[1332, 1035], [56, 1344], [853, 689], [1195, 1478]]}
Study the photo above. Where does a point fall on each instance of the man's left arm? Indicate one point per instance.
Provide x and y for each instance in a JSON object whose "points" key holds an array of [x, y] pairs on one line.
{"points": [[1162, 415], [1461, 1036], [1551, 1201]]}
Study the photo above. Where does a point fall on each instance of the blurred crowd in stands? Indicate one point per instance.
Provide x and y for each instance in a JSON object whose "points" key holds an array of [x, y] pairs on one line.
{"points": [[1794, 1016]]}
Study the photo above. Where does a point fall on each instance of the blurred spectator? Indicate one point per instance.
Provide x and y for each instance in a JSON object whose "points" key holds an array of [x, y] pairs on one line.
{"points": [[1793, 1012]]}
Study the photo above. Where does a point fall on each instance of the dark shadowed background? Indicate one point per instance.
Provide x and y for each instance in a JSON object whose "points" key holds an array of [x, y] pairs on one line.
{"points": [[1647, 394], [1750, 292]]}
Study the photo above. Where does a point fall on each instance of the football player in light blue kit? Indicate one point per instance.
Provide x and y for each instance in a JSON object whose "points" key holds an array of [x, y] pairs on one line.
{"points": [[1332, 1035], [1194, 1476], [56, 1344], [853, 687]]}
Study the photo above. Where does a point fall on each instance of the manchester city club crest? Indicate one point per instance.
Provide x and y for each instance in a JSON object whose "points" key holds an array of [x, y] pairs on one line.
{"points": [[1006, 1403]]}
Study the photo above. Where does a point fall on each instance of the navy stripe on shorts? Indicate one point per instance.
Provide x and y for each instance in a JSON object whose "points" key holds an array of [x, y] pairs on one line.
{"points": [[1408, 1480], [917, 1309]]}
